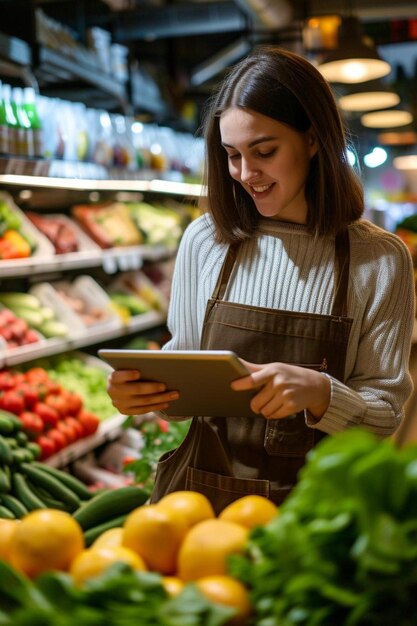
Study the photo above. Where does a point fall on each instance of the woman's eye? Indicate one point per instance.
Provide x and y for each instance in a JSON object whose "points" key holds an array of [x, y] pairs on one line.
{"points": [[265, 155], [233, 157]]}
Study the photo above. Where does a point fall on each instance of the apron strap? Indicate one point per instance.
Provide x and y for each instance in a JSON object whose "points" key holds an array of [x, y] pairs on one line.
{"points": [[341, 278], [228, 263]]}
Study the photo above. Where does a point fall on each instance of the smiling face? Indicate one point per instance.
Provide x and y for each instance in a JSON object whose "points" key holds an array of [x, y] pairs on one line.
{"points": [[271, 160]]}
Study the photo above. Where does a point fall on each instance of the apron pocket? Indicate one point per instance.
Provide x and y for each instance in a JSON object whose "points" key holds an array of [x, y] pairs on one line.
{"points": [[222, 490], [288, 436]]}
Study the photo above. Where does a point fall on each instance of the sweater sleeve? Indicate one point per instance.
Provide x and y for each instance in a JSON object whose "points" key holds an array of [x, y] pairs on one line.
{"points": [[379, 382]]}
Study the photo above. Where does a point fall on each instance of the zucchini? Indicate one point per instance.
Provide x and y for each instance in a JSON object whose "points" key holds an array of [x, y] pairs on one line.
{"points": [[93, 533], [51, 485], [23, 492], [5, 484], [14, 505], [6, 425], [5, 452], [11, 417], [66, 479], [110, 504], [5, 513]]}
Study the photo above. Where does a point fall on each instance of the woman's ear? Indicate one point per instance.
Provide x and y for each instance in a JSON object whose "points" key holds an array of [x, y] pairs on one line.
{"points": [[312, 142]]}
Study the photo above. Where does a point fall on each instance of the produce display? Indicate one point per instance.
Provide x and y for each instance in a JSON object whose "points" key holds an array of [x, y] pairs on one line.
{"points": [[58, 229], [48, 413], [15, 242], [340, 550], [29, 308]]}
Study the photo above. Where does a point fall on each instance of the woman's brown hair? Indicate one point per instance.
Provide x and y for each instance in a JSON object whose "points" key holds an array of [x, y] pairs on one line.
{"points": [[284, 86]]}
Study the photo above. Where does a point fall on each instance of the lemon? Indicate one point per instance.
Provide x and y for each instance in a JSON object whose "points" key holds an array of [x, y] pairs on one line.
{"points": [[250, 511], [94, 561]]}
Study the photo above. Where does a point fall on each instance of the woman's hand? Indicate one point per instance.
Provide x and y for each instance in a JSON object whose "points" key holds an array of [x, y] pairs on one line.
{"points": [[130, 396], [285, 389]]}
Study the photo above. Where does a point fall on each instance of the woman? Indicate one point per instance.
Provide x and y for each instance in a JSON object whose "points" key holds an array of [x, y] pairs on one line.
{"points": [[282, 270]]}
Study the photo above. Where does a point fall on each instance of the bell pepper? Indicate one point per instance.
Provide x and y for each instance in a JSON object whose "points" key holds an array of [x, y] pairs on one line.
{"points": [[22, 248]]}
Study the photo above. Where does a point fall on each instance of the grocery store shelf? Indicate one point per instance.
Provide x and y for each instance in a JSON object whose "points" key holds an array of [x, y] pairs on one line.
{"points": [[91, 336], [108, 430], [111, 260], [81, 176]]}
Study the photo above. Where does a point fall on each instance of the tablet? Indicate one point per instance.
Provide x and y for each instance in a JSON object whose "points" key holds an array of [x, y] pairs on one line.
{"points": [[202, 378]]}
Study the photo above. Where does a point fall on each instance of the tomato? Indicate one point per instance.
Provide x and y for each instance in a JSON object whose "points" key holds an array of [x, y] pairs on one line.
{"points": [[37, 375], [58, 438], [29, 394], [12, 401], [74, 403], [6, 380], [76, 425], [47, 446], [32, 424], [48, 415], [89, 420], [68, 431], [57, 402]]}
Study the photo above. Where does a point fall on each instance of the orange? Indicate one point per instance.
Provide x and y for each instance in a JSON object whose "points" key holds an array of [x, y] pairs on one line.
{"points": [[228, 591], [92, 562], [207, 546], [7, 529], [156, 534], [109, 539], [193, 505], [173, 585], [45, 539], [250, 511]]}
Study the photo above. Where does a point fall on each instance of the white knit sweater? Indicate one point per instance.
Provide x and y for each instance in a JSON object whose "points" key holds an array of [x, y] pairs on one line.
{"points": [[286, 268]]}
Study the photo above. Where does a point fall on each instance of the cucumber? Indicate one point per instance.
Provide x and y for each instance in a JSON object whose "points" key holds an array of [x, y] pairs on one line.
{"points": [[14, 505], [21, 455], [6, 425], [24, 493], [5, 452], [66, 479], [110, 504], [11, 417], [93, 533], [5, 484], [51, 485], [22, 438], [5, 513]]}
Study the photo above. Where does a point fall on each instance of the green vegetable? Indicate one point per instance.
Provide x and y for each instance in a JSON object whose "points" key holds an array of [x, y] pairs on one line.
{"points": [[110, 504], [343, 549]]}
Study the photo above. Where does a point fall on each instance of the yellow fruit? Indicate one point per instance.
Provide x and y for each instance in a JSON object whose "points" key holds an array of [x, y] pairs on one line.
{"points": [[173, 585], [109, 539], [45, 539], [228, 591], [95, 561], [156, 534], [193, 505], [7, 529], [250, 511], [207, 546]]}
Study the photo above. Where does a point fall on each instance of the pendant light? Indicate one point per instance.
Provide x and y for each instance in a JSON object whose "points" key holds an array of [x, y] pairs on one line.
{"points": [[369, 96], [389, 118], [356, 59]]}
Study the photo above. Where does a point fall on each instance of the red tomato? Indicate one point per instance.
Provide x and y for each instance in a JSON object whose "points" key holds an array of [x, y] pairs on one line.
{"points": [[76, 425], [29, 393], [58, 438], [74, 403], [47, 446], [6, 380], [89, 421], [32, 424], [68, 431], [12, 401], [57, 402], [48, 415], [37, 375]]}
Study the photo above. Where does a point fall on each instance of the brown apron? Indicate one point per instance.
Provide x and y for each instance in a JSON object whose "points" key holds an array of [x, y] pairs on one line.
{"points": [[227, 458]]}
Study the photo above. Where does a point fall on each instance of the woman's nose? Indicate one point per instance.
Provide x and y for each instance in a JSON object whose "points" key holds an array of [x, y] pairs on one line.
{"points": [[248, 172]]}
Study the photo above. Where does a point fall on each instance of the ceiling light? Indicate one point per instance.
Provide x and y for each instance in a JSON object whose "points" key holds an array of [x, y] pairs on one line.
{"points": [[407, 162], [369, 96], [377, 157], [390, 118], [397, 138], [356, 59]]}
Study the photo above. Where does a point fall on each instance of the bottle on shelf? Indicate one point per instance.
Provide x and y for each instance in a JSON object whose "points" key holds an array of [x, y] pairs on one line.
{"points": [[25, 135], [11, 121], [4, 131], [30, 106]]}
